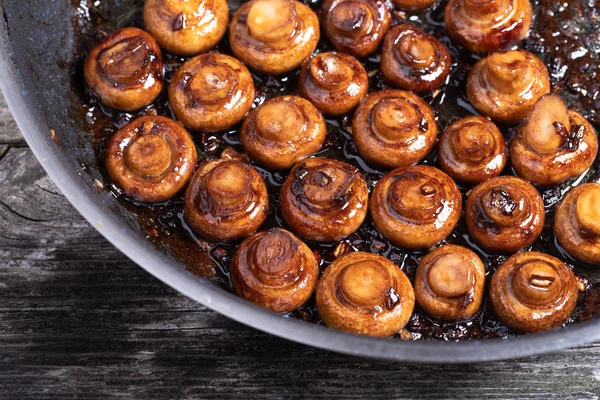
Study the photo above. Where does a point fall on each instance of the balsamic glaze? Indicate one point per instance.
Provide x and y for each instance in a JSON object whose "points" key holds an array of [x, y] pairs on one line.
{"points": [[565, 35]]}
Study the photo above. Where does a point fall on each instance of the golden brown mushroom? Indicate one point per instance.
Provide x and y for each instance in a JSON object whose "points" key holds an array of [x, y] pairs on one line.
{"points": [[449, 283], [125, 71], [414, 60], [274, 36], [186, 27], [151, 159], [412, 5], [282, 131], [472, 150], [356, 27], [211, 92], [554, 144], [533, 292], [275, 270], [334, 82], [226, 200], [366, 294], [394, 128], [577, 223], [485, 26], [505, 214], [505, 85], [417, 207], [324, 200]]}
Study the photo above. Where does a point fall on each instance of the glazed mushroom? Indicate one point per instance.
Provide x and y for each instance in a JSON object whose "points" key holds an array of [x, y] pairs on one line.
{"points": [[226, 200], [186, 27], [504, 86], [151, 159], [334, 82], [533, 292], [505, 214], [449, 283], [577, 223], [394, 128], [472, 150], [125, 71], [414, 60], [485, 26], [275, 270], [282, 131], [211, 92], [356, 27], [274, 36], [324, 200], [417, 207], [554, 144], [412, 5], [365, 293]]}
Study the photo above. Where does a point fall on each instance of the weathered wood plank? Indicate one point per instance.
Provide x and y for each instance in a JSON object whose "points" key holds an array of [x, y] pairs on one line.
{"points": [[9, 133], [78, 320], [33, 209]]}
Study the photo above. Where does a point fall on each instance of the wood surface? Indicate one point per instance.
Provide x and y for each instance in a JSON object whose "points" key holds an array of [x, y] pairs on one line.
{"points": [[78, 320]]}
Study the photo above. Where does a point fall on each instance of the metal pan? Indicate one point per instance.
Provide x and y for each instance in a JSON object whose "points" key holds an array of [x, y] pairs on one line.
{"points": [[35, 51]]}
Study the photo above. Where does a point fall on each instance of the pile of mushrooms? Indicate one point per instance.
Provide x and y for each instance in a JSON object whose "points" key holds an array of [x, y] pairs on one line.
{"points": [[415, 207]]}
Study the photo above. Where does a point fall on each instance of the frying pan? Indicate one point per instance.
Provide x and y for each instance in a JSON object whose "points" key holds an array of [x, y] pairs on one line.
{"points": [[36, 39]]}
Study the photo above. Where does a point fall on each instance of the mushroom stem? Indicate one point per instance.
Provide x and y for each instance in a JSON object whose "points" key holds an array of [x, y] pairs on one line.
{"points": [[505, 71], [272, 21], [587, 210], [352, 19], [450, 276], [546, 127], [148, 155]]}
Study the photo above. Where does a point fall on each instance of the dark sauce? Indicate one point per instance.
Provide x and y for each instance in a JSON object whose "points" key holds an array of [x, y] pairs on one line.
{"points": [[565, 35]]}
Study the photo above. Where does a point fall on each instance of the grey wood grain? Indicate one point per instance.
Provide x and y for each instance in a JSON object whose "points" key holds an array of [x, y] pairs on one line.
{"points": [[9, 133], [79, 320]]}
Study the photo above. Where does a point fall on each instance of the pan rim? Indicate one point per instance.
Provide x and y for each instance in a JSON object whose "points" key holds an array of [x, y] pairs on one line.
{"points": [[35, 131]]}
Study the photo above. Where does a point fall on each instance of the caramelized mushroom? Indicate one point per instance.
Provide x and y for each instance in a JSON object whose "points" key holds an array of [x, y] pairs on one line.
{"points": [[505, 214], [366, 294], [275, 270], [449, 283], [472, 150], [554, 144], [485, 26], [356, 27], [394, 128], [505, 85], [417, 207], [211, 92], [274, 36], [125, 71], [226, 200], [577, 223], [151, 159], [533, 292], [414, 60], [186, 27], [282, 131], [412, 5], [334, 82], [324, 200]]}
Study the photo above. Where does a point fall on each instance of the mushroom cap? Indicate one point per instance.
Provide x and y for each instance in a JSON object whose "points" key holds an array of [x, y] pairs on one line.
{"points": [[275, 270], [577, 225], [274, 36], [533, 292], [365, 293]]}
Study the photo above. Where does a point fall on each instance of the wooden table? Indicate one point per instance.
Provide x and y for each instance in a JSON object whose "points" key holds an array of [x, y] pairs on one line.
{"points": [[79, 320]]}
